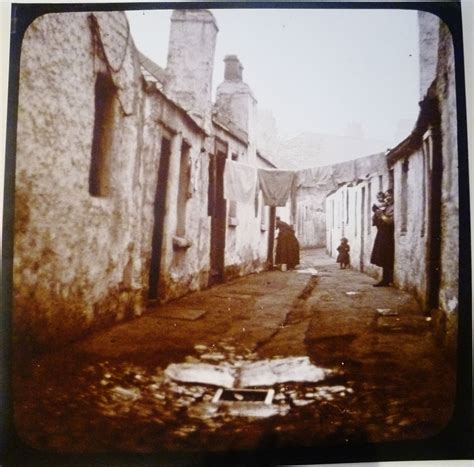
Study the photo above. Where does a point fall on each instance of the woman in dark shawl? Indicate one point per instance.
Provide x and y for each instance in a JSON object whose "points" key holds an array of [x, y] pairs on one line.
{"points": [[384, 244], [288, 248]]}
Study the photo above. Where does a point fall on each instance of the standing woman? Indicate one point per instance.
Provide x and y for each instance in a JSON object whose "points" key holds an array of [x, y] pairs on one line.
{"points": [[384, 244], [288, 248]]}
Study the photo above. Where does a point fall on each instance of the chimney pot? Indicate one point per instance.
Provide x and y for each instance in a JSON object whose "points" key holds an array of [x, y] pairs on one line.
{"points": [[233, 68]]}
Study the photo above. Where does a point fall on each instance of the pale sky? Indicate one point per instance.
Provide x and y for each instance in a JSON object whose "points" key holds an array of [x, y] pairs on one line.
{"points": [[316, 70]]}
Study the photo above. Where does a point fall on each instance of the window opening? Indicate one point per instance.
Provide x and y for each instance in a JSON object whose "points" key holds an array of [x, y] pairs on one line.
{"points": [[347, 206], [404, 196], [355, 217], [390, 180], [233, 204], [426, 159], [102, 136], [369, 207], [183, 190], [332, 213]]}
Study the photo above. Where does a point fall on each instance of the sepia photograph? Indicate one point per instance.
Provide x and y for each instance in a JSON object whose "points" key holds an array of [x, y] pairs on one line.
{"points": [[238, 230]]}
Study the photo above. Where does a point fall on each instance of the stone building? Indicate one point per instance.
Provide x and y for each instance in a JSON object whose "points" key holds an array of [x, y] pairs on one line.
{"points": [[315, 184], [423, 172], [119, 174], [349, 215]]}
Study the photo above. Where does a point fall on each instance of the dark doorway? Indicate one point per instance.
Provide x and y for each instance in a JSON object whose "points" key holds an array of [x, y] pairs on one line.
{"points": [[159, 211], [435, 171], [271, 236], [217, 210]]}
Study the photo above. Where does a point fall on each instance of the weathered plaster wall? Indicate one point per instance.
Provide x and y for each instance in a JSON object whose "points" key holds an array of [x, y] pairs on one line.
{"points": [[77, 258], [183, 269], [246, 241], [446, 91], [428, 49], [410, 245]]}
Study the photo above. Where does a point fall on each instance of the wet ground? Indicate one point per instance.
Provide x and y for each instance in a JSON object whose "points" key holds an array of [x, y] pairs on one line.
{"points": [[347, 363]]}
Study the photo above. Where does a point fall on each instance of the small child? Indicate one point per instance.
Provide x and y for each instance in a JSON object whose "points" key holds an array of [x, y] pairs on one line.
{"points": [[343, 258], [378, 208]]}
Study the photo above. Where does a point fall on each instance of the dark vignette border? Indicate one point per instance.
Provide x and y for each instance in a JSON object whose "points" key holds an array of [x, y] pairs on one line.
{"points": [[454, 442]]}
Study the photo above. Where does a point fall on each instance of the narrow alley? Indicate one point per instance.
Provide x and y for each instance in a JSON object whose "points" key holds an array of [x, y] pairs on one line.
{"points": [[172, 282], [346, 363]]}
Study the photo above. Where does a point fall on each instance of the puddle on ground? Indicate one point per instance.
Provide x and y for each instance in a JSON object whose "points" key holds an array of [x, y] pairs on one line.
{"points": [[188, 389]]}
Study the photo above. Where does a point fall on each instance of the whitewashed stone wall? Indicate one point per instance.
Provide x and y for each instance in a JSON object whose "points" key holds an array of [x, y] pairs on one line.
{"points": [[411, 244], [82, 258], [449, 287], [182, 269], [74, 251]]}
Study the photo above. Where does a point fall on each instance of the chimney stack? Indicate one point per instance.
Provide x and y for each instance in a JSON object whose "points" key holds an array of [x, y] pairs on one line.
{"points": [[233, 68], [190, 62], [234, 100]]}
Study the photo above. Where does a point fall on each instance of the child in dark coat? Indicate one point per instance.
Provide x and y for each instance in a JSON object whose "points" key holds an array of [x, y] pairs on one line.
{"points": [[343, 258]]}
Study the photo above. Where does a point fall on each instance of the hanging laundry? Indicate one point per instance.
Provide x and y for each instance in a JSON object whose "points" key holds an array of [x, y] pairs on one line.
{"points": [[276, 185], [316, 177], [240, 181]]}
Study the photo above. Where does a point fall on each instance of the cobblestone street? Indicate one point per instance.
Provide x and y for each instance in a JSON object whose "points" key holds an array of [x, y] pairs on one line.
{"points": [[383, 378]]}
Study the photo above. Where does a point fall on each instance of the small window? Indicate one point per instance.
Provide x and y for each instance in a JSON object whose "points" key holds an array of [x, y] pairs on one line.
{"points": [[380, 183], [332, 213], [99, 171], [347, 206], [257, 199], [341, 215], [264, 218], [233, 204], [424, 188], [211, 189], [183, 190], [355, 213], [369, 207], [404, 197]]}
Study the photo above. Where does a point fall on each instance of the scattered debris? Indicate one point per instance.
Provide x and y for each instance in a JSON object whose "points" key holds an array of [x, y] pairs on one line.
{"points": [[203, 373], [270, 372], [248, 374], [213, 356], [352, 292], [387, 312], [126, 394], [302, 402]]}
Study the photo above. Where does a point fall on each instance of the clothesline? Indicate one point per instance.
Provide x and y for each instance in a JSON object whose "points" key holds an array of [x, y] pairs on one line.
{"points": [[241, 181]]}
